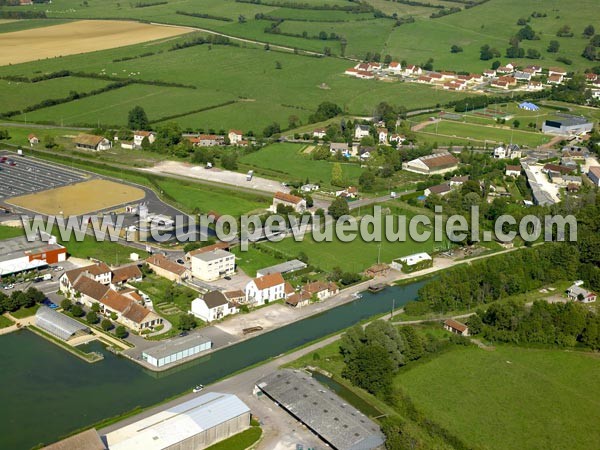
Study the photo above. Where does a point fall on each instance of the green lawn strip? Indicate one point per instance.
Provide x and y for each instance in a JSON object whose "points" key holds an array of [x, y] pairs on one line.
{"points": [[253, 259], [7, 232], [240, 441], [88, 357], [25, 312], [5, 322]]}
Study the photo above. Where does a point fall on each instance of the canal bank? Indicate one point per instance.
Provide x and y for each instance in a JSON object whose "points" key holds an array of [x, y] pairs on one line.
{"points": [[44, 378]]}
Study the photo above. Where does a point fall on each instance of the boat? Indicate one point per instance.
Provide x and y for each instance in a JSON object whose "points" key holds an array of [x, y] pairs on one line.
{"points": [[374, 288], [357, 295], [252, 329], [197, 388]]}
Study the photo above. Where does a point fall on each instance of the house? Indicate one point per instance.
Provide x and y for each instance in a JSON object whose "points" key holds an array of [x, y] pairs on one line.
{"points": [[98, 272], [455, 85], [458, 181], [319, 133], [298, 299], [127, 145], [126, 274], [212, 265], [235, 137], [571, 180], [213, 306], [580, 294], [555, 79], [489, 73], [535, 86], [364, 75], [425, 79], [556, 71], [164, 267], [567, 125], [456, 327], [435, 76], [534, 68], [89, 291], [440, 189], [411, 69], [383, 135], [92, 142], [33, 139], [265, 289], [594, 175], [129, 312], [320, 289], [349, 192], [512, 171], [522, 76], [591, 77], [511, 151], [561, 170], [351, 71], [377, 270], [395, 67], [236, 297], [505, 69], [281, 198], [208, 248], [206, 140], [432, 164], [139, 136], [309, 187], [397, 138], [361, 131], [341, 147]]}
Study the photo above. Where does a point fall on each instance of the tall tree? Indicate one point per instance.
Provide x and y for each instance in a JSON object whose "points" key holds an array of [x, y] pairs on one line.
{"points": [[137, 119]]}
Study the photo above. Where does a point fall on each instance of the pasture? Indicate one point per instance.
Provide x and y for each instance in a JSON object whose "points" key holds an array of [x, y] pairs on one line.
{"points": [[80, 198], [510, 397], [287, 162], [77, 37]]}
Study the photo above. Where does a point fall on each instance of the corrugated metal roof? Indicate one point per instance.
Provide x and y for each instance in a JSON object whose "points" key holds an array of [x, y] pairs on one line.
{"points": [[57, 324], [178, 423]]}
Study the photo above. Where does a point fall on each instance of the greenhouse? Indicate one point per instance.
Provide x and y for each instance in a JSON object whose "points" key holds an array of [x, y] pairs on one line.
{"points": [[58, 324]]}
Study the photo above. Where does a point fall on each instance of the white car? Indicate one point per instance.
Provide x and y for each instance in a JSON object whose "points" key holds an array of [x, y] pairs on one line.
{"points": [[197, 388]]}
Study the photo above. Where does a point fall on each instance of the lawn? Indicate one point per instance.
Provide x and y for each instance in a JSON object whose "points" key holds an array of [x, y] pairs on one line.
{"points": [[252, 260], [10, 232], [510, 397], [287, 162], [25, 312], [5, 322], [8, 26]]}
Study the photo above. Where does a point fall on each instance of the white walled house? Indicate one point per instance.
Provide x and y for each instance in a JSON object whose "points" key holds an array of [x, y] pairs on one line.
{"points": [[213, 306], [212, 265], [298, 203], [265, 289], [139, 136], [235, 137], [361, 131], [382, 133]]}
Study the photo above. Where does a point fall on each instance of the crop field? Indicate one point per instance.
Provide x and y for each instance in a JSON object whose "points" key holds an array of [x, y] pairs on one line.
{"points": [[288, 162], [510, 397], [77, 37], [8, 26], [80, 198]]}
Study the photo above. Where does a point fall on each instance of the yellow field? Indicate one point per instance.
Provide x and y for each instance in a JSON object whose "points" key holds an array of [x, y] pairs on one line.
{"points": [[78, 37], [80, 198]]}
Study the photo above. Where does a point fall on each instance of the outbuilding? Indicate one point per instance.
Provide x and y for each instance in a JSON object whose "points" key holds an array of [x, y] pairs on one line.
{"points": [[176, 350]]}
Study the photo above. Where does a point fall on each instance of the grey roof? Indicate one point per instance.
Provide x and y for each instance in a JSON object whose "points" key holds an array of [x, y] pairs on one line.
{"points": [[341, 146], [328, 415], [16, 247], [88, 440], [176, 345], [288, 266], [57, 323], [212, 255], [170, 427], [567, 121], [214, 299], [362, 127]]}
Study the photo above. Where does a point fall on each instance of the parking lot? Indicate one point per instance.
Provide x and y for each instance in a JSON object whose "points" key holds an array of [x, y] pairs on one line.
{"points": [[20, 176]]}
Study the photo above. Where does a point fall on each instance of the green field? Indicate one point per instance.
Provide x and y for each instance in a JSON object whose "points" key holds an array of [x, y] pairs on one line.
{"points": [[510, 397], [10, 232], [252, 260], [288, 162], [5, 322]]}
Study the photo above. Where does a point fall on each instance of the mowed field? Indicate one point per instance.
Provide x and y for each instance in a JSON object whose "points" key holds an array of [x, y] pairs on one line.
{"points": [[80, 198], [77, 37], [510, 397]]}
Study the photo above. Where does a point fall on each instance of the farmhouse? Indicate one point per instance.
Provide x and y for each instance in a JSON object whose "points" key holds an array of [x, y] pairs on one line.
{"points": [[440, 189], [577, 293], [319, 133], [298, 299], [361, 131], [512, 171], [567, 125], [320, 289], [265, 289], [594, 175], [164, 267], [33, 139], [281, 198], [432, 164], [213, 306], [456, 327], [212, 265], [139, 136], [235, 137], [92, 142], [18, 254]]}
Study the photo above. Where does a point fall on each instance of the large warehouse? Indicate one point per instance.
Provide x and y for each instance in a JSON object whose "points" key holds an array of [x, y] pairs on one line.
{"points": [[339, 424], [58, 324], [567, 125], [176, 350], [18, 254], [193, 425]]}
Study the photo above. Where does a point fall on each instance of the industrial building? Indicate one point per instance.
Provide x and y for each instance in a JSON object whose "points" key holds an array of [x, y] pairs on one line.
{"points": [[432, 164], [283, 268], [18, 254], [567, 125], [59, 325], [339, 424], [192, 425], [88, 440], [176, 350]]}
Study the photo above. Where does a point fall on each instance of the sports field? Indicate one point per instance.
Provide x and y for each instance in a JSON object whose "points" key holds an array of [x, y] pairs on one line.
{"points": [[510, 397], [80, 198], [77, 37]]}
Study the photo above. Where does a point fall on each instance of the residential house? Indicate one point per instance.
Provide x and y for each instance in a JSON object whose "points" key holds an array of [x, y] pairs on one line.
{"points": [[557, 71], [535, 69], [212, 265], [321, 290], [129, 312], [298, 299], [535, 86], [265, 289], [555, 79], [341, 147], [281, 198], [580, 294], [98, 272], [213, 306], [411, 69], [489, 73], [206, 140], [440, 189], [512, 171], [383, 135], [309, 187], [424, 79], [397, 138], [33, 139], [92, 142], [511, 151], [88, 291], [458, 181], [351, 71], [139, 136], [562, 170], [235, 137], [455, 85], [164, 267], [594, 175], [349, 192], [126, 274], [319, 133], [432, 164], [456, 327], [395, 67], [361, 131], [127, 145], [235, 297], [522, 76], [505, 69]]}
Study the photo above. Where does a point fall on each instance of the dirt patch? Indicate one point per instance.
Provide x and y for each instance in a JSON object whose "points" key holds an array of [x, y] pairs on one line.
{"points": [[80, 198], [78, 37], [309, 149]]}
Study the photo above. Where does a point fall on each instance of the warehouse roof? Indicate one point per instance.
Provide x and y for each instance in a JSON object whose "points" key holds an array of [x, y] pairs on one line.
{"points": [[169, 427], [19, 246], [57, 323], [286, 267], [176, 345], [328, 415], [88, 440]]}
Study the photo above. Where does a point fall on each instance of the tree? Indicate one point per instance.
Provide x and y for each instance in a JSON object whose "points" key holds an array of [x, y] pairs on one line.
{"points": [[92, 317], [338, 208], [278, 65], [121, 332], [486, 52], [106, 324], [371, 369], [272, 129], [589, 31], [366, 180], [241, 19], [414, 347], [49, 141], [137, 119], [11, 303], [387, 59], [77, 310], [533, 53], [187, 322], [564, 31], [66, 304], [96, 307], [589, 52], [229, 161], [337, 176], [456, 49], [553, 47]]}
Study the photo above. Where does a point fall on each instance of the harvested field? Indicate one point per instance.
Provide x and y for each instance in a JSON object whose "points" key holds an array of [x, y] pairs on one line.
{"points": [[78, 37], [80, 198]]}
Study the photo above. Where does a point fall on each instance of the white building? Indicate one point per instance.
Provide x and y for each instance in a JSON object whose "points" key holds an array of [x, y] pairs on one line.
{"points": [[281, 198], [18, 254], [235, 137], [265, 289], [432, 164], [361, 131], [511, 151], [139, 136], [213, 306], [212, 265], [382, 133]]}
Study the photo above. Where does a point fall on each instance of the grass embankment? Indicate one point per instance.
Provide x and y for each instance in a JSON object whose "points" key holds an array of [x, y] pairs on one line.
{"points": [[5, 322], [87, 357]]}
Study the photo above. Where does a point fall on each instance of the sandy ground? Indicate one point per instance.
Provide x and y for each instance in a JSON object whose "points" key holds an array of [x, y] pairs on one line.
{"points": [[217, 175], [78, 37], [80, 198]]}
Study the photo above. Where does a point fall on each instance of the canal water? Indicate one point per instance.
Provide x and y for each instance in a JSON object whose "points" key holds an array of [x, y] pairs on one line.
{"points": [[46, 393]]}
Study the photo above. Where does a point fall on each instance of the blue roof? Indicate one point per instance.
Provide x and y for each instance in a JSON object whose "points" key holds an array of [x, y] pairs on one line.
{"points": [[529, 106]]}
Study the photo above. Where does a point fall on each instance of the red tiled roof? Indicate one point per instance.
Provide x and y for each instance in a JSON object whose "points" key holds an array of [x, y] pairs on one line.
{"points": [[455, 325], [91, 288], [289, 198], [126, 273], [136, 313], [116, 301], [163, 262], [268, 281]]}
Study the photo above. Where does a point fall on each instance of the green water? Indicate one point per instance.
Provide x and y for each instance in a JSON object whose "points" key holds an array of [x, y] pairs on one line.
{"points": [[345, 393], [46, 393]]}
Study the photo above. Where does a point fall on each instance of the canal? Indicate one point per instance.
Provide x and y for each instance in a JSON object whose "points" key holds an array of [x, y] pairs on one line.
{"points": [[47, 393]]}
